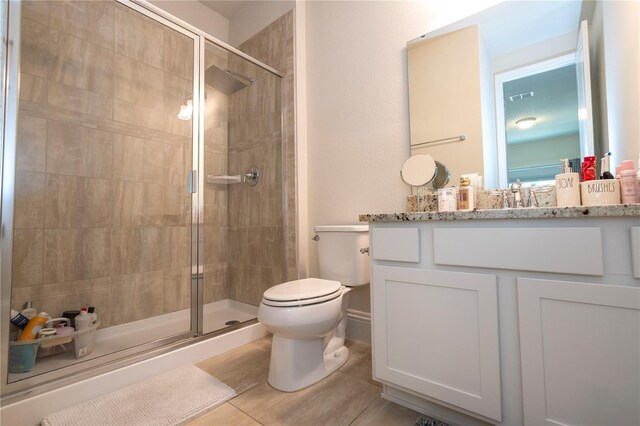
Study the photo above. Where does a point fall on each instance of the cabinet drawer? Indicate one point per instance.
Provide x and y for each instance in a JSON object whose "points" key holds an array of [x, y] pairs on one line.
{"points": [[396, 244], [560, 250]]}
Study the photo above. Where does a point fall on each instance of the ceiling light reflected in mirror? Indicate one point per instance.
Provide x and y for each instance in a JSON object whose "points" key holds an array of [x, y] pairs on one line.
{"points": [[525, 123]]}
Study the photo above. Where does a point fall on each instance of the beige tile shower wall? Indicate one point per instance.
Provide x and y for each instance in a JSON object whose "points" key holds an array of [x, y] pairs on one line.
{"points": [[102, 213], [262, 229], [216, 196]]}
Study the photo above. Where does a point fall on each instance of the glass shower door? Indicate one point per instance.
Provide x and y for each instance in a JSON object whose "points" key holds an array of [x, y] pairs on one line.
{"points": [[103, 209]]}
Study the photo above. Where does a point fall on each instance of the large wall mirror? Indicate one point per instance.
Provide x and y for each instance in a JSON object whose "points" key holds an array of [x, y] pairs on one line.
{"points": [[511, 90]]}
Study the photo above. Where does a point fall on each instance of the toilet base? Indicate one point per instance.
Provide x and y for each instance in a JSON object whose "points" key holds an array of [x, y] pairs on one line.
{"points": [[298, 363]]}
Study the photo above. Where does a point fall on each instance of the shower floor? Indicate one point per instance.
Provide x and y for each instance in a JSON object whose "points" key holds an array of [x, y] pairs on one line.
{"points": [[125, 336]]}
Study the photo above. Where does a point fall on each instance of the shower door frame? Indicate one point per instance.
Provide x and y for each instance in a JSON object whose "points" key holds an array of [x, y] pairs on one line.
{"points": [[10, 92]]}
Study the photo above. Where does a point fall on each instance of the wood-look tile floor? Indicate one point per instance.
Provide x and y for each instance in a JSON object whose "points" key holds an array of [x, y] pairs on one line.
{"points": [[347, 397]]}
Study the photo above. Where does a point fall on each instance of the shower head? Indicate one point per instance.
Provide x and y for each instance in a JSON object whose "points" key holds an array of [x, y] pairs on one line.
{"points": [[225, 81]]}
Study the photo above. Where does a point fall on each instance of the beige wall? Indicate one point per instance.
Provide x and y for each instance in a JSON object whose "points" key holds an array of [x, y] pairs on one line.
{"points": [[445, 102], [254, 16], [102, 217], [621, 35], [198, 15], [357, 106]]}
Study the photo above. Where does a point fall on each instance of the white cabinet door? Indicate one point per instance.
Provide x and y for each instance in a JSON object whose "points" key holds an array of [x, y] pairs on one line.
{"points": [[436, 333], [580, 351]]}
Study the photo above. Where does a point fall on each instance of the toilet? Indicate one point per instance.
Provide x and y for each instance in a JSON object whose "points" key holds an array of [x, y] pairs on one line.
{"points": [[308, 317]]}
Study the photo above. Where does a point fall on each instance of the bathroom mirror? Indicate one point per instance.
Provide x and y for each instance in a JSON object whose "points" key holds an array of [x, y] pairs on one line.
{"points": [[443, 176], [418, 170], [455, 118]]}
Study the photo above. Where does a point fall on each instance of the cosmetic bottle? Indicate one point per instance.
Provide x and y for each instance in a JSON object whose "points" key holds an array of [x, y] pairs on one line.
{"points": [[589, 168], [465, 194], [447, 201], [18, 319], [35, 324], [29, 311], [567, 186], [605, 164], [629, 187]]}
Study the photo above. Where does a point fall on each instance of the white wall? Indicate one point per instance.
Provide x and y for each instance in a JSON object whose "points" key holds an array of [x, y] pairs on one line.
{"points": [[621, 34], [198, 15], [357, 103], [253, 17]]}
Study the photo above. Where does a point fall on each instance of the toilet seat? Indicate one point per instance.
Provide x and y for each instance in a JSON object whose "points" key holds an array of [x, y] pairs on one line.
{"points": [[303, 292]]}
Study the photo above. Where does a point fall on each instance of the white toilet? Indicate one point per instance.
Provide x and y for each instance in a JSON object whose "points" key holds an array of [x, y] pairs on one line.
{"points": [[308, 317]]}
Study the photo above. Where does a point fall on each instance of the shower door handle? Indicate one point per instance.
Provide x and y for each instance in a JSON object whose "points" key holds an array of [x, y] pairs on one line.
{"points": [[193, 181]]}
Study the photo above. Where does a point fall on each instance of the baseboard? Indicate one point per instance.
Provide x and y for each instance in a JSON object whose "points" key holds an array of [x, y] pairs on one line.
{"points": [[437, 410], [359, 326]]}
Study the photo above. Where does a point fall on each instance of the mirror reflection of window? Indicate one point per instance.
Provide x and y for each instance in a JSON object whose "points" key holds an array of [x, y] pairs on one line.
{"points": [[541, 117]]}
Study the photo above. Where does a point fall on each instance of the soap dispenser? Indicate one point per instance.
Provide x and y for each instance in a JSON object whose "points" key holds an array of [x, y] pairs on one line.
{"points": [[567, 186]]}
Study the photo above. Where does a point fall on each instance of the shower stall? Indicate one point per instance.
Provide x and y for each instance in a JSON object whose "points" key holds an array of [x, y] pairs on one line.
{"points": [[142, 175]]}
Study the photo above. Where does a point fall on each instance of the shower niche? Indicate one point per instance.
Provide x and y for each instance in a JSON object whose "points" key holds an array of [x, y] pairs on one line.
{"points": [[121, 114]]}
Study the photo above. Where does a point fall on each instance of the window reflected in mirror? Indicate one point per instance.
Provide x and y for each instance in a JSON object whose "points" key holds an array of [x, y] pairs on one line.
{"points": [[541, 123]]}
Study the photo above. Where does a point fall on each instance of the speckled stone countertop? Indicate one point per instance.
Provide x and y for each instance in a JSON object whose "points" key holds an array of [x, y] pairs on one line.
{"points": [[620, 210]]}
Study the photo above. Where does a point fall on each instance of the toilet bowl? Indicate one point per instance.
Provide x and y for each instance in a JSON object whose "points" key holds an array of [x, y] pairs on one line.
{"points": [[308, 317]]}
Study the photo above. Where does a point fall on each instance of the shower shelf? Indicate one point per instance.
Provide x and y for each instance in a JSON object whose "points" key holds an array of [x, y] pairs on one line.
{"points": [[250, 177], [224, 179]]}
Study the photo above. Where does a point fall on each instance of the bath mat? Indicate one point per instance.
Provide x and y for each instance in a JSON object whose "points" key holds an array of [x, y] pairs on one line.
{"points": [[429, 421], [169, 399]]}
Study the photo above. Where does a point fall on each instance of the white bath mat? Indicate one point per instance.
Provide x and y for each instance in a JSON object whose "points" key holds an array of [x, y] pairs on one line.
{"points": [[169, 399]]}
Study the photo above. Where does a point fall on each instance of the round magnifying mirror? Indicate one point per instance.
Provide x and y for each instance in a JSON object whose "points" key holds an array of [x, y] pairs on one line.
{"points": [[418, 170]]}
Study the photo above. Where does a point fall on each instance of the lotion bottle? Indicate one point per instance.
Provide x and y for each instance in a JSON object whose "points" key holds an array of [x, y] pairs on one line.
{"points": [[30, 331], [567, 186], [465, 195]]}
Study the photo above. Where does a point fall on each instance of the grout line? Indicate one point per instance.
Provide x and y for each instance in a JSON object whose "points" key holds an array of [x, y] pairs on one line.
{"points": [[365, 409], [242, 411]]}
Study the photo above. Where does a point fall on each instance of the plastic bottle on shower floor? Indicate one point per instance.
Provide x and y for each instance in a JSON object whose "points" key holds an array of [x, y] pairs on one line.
{"points": [[84, 320]]}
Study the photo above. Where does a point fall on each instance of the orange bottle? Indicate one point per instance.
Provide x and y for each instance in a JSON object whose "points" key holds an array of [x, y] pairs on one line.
{"points": [[30, 332]]}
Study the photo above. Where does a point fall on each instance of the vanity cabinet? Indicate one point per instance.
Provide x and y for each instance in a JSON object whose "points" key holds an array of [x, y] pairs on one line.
{"points": [[580, 350], [522, 321], [436, 333]]}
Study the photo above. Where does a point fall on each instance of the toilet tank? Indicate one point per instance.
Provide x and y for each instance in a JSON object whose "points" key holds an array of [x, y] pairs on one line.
{"points": [[339, 253]]}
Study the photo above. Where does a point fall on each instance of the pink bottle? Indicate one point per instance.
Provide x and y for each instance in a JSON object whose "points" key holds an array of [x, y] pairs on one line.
{"points": [[629, 191]]}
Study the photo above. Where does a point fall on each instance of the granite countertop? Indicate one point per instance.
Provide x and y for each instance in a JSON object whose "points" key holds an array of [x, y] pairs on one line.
{"points": [[618, 210]]}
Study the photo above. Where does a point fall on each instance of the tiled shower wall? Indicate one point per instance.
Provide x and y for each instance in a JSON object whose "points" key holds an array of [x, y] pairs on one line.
{"points": [[216, 208], [262, 231], [102, 212], [102, 215]]}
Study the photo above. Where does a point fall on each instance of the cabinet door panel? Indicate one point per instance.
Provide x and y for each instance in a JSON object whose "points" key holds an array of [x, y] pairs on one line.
{"points": [[436, 333], [580, 350]]}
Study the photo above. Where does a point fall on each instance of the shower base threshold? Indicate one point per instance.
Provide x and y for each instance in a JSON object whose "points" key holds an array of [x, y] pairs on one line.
{"points": [[125, 336]]}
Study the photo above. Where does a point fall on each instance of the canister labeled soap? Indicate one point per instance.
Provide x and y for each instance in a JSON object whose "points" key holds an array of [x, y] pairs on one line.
{"points": [[567, 187]]}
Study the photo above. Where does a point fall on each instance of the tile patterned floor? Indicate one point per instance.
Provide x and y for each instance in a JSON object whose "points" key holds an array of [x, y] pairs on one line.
{"points": [[348, 397]]}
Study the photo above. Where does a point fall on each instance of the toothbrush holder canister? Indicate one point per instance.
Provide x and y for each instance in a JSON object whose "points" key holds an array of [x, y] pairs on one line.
{"points": [[602, 192]]}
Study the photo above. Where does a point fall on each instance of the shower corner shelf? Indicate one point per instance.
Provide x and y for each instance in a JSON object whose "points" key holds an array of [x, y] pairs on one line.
{"points": [[224, 179], [250, 177]]}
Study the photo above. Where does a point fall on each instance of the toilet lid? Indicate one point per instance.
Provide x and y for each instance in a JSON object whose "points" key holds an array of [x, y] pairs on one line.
{"points": [[308, 288]]}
